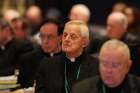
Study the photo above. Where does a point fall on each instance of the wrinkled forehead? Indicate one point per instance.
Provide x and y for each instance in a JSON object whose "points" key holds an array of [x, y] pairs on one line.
{"points": [[72, 28], [117, 55], [117, 19], [49, 27], [112, 20]]}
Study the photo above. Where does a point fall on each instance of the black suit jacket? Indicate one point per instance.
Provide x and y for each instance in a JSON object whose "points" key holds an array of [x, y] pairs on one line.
{"points": [[29, 64], [93, 85], [50, 77], [10, 55]]}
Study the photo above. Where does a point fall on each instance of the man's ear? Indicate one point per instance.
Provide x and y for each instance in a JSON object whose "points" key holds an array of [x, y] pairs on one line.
{"points": [[85, 42], [60, 38], [129, 64]]}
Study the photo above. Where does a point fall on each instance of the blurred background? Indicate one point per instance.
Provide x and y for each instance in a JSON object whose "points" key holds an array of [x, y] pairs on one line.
{"points": [[99, 8]]}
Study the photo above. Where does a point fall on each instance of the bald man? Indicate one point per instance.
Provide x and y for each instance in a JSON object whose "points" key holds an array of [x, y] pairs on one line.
{"points": [[117, 24], [80, 12], [34, 16]]}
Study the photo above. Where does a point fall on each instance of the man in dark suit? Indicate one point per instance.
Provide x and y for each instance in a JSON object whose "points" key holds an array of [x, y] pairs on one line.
{"points": [[10, 49], [114, 66], [58, 74], [82, 12], [50, 34], [117, 24]]}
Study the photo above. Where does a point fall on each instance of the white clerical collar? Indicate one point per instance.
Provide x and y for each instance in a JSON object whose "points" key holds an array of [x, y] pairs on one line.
{"points": [[51, 54], [2, 47], [72, 59]]}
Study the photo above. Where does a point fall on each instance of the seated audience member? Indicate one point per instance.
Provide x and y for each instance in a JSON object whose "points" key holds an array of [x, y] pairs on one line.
{"points": [[133, 16], [34, 16], [35, 19], [82, 12], [119, 7], [21, 28], [10, 49], [116, 28], [117, 24], [50, 34], [58, 74], [11, 14], [114, 66]]}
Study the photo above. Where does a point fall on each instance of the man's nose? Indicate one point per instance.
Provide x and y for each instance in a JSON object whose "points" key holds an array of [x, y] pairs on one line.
{"points": [[109, 70], [67, 37], [45, 40]]}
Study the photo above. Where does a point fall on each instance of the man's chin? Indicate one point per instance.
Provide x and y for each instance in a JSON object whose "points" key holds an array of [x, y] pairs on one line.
{"points": [[110, 84], [65, 49]]}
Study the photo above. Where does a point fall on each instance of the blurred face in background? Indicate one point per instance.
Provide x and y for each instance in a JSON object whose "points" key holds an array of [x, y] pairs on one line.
{"points": [[34, 15], [50, 40], [77, 15], [130, 15], [115, 29], [21, 32], [119, 7], [80, 12], [1, 36], [5, 35]]}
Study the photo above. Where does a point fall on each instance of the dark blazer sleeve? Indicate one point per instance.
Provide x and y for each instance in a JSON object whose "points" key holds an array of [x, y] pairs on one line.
{"points": [[50, 76], [29, 63], [134, 83], [88, 85], [81, 87], [40, 79]]}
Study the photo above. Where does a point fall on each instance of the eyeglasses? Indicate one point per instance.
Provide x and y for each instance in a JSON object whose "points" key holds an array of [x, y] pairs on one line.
{"points": [[71, 36]]}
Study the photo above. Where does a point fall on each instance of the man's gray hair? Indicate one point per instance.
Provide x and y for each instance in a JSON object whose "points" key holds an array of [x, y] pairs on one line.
{"points": [[120, 17], [82, 26], [114, 44], [83, 8]]}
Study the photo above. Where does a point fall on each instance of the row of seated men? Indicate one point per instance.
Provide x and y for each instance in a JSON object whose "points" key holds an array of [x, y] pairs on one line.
{"points": [[59, 71]]}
